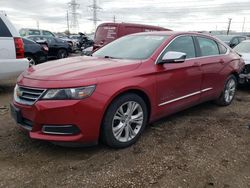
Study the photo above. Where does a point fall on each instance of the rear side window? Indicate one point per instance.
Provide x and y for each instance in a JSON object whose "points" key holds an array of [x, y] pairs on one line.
{"points": [[4, 31], [183, 44], [222, 48], [208, 47], [34, 32], [235, 41], [47, 33]]}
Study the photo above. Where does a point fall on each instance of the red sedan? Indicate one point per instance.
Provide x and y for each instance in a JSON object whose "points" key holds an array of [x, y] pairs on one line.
{"points": [[127, 84]]}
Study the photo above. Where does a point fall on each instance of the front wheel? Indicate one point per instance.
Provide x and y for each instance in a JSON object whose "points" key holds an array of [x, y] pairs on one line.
{"points": [[229, 91], [124, 121]]}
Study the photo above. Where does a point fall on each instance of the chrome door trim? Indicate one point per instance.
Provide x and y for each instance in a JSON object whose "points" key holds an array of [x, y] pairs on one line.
{"points": [[186, 96]]}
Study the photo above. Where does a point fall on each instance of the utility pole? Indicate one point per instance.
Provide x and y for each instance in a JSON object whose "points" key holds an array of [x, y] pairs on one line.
{"points": [[243, 24], [73, 5], [68, 21], [229, 25], [37, 24], [114, 19], [95, 9]]}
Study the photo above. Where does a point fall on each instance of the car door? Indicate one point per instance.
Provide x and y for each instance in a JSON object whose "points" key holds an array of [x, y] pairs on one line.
{"points": [[212, 62], [53, 46], [178, 84]]}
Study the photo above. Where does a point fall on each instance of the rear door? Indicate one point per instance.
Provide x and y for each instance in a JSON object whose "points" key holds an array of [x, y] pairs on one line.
{"points": [[212, 61], [7, 46]]}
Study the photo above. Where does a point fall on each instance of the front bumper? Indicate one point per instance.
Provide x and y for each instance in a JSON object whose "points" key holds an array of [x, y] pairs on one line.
{"points": [[85, 115], [245, 74]]}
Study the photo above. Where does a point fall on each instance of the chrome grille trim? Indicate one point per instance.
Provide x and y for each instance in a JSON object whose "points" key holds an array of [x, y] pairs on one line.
{"points": [[26, 95]]}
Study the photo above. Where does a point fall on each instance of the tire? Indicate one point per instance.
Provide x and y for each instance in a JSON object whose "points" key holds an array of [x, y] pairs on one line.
{"points": [[228, 93], [31, 60], [120, 129], [62, 53]]}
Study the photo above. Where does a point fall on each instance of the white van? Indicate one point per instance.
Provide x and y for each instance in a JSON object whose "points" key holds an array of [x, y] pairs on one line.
{"points": [[12, 61]]}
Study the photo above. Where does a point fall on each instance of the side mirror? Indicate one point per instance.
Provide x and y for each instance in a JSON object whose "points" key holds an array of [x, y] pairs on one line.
{"points": [[173, 57], [232, 45]]}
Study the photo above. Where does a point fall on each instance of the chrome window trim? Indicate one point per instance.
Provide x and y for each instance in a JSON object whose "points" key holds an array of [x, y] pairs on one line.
{"points": [[190, 35], [185, 96]]}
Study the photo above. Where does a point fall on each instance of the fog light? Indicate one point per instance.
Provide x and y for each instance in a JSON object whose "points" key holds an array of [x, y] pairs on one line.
{"points": [[60, 129]]}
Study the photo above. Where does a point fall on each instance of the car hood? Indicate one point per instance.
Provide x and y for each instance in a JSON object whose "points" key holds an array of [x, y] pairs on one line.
{"points": [[81, 67], [246, 57]]}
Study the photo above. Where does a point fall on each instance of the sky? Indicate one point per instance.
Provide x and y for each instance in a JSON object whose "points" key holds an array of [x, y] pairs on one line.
{"points": [[180, 15]]}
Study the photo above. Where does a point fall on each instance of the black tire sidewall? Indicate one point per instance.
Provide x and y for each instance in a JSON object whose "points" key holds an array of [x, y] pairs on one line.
{"points": [[60, 52], [107, 133], [29, 56]]}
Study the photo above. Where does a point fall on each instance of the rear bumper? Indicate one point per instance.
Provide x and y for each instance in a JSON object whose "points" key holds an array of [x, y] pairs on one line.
{"points": [[12, 68]]}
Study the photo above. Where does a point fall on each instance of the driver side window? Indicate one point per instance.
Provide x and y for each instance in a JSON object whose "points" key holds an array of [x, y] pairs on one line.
{"points": [[182, 44]]}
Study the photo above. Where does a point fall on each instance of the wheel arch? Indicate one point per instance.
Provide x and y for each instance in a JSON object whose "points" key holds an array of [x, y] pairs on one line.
{"points": [[138, 91]]}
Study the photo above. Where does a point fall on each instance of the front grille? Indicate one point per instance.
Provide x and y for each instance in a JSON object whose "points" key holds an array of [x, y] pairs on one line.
{"points": [[27, 96]]}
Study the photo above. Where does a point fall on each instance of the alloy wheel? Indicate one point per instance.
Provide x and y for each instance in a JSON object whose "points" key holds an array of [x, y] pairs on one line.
{"points": [[127, 121], [230, 90]]}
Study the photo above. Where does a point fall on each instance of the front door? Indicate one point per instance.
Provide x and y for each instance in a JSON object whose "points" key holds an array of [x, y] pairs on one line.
{"points": [[179, 84]]}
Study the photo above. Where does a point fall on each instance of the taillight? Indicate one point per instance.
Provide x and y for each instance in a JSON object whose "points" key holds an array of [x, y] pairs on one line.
{"points": [[19, 48]]}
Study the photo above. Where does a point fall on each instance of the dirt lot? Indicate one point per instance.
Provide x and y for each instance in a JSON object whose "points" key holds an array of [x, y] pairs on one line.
{"points": [[205, 146]]}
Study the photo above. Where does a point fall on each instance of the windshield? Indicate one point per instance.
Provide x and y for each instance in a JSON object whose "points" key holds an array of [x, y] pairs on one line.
{"points": [[224, 37], [131, 47], [243, 47]]}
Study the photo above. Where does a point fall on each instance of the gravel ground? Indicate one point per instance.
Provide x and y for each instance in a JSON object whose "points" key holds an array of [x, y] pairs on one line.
{"points": [[205, 146]]}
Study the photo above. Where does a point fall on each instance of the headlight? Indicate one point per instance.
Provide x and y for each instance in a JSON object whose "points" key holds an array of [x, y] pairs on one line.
{"points": [[69, 93]]}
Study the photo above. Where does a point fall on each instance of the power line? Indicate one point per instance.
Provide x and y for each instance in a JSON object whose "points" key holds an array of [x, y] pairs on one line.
{"points": [[95, 9], [73, 5]]}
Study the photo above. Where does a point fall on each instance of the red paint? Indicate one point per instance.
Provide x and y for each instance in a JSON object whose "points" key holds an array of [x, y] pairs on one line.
{"points": [[112, 77]]}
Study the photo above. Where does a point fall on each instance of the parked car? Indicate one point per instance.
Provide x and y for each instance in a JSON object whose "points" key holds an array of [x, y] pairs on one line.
{"points": [[83, 41], [12, 61], [232, 40], [87, 51], [244, 50], [108, 32], [73, 44], [127, 84], [57, 47], [34, 52], [27, 32]]}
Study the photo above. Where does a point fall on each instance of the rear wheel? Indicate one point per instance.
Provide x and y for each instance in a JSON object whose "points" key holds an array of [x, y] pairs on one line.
{"points": [[228, 94], [62, 53], [31, 60], [124, 121]]}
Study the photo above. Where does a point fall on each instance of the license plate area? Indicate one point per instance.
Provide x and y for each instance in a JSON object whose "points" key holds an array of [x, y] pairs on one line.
{"points": [[17, 116]]}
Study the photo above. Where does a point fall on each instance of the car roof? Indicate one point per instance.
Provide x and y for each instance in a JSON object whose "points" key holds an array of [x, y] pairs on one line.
{"points": [[131, 24]]}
